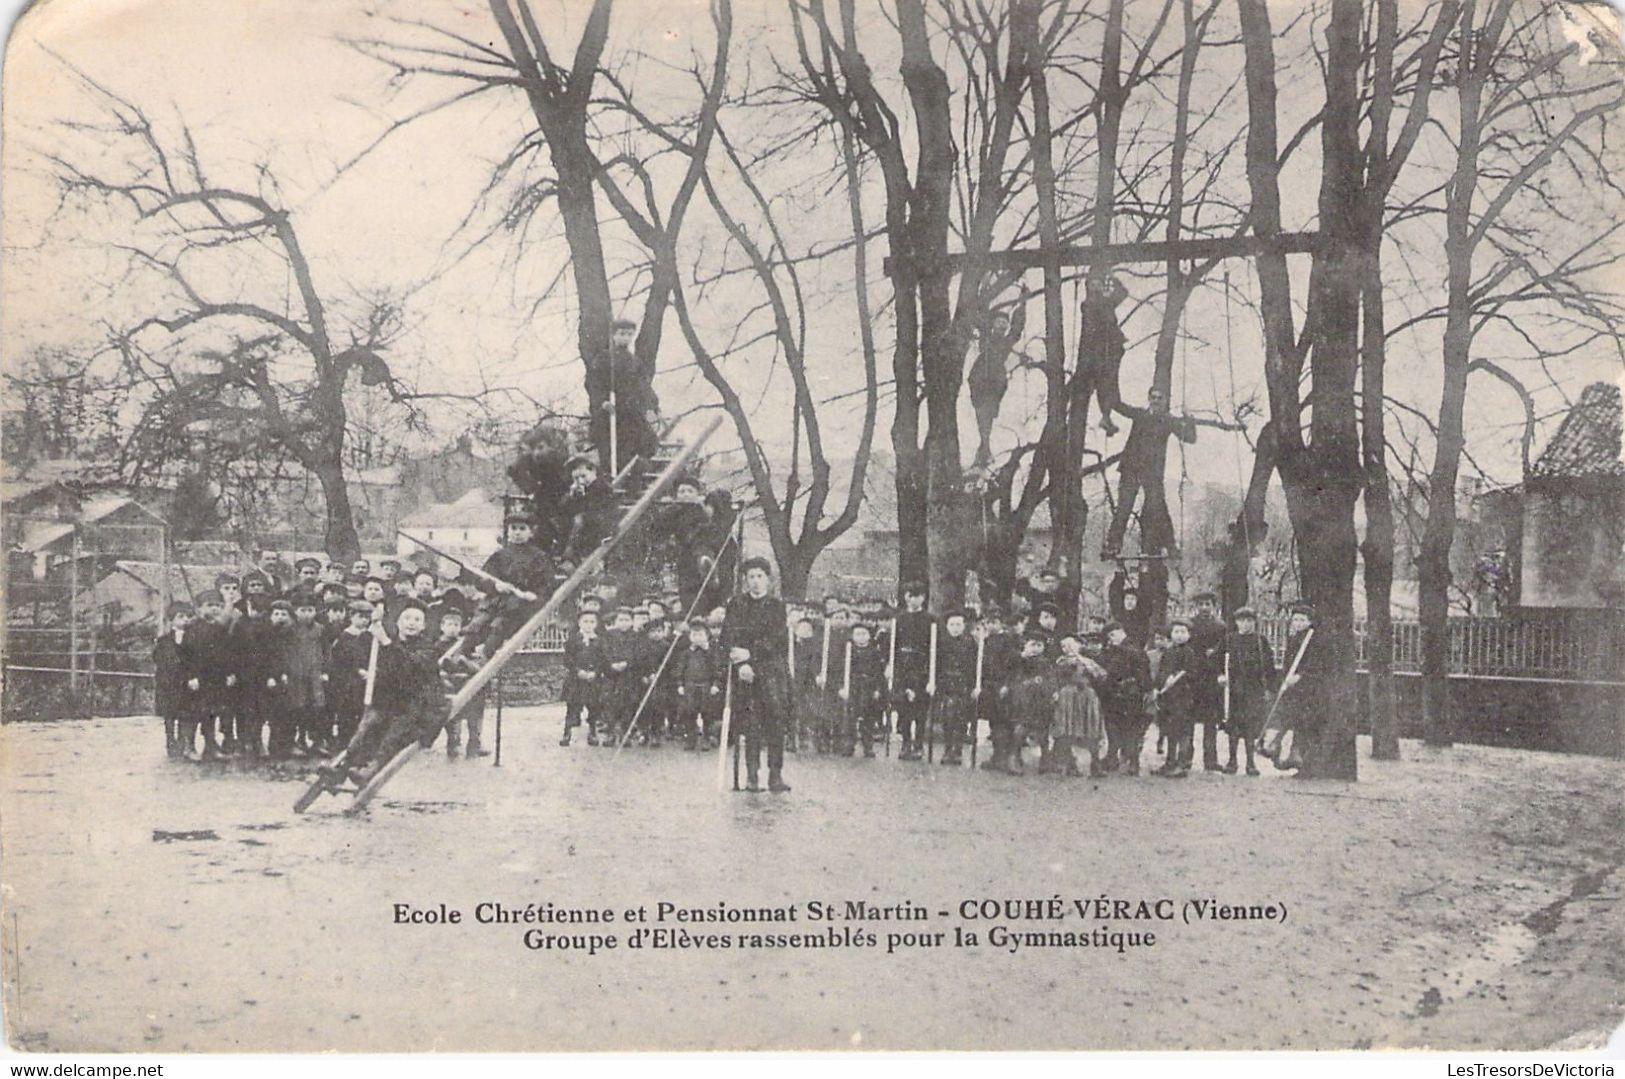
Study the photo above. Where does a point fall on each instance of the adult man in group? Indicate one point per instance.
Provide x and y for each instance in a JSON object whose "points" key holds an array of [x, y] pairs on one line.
{"points": [[1206, 694], [756, 644]]}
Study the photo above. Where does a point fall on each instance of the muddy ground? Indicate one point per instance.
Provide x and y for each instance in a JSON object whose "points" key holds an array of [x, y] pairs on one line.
{"points": [[1463, 898]]}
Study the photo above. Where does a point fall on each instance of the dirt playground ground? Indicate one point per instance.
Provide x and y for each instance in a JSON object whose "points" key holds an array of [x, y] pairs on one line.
{"points": [[1460, 898]]}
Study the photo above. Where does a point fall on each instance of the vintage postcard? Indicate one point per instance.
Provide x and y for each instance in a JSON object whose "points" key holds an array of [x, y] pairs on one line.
{"points": [[565, 525]]}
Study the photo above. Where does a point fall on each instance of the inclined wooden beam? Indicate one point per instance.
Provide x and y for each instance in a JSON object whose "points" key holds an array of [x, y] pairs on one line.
{"points": [[1141, 251]]}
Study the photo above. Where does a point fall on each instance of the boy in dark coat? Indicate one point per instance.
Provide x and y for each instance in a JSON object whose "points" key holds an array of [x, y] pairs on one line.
{"points": [[583, 675], [753, 634], [269, 721], [1122, 699], [911, 671], [807, 648], [169, 681], [521, 566], [1251, 674], [407, 700], [1032, 702], [347, 669], [1001, 653], [864, 700], [209, 664], [618, 693], [1176, 687], [306, 694], [455, 671], [658, 678], [1299, 709], [699, 688], [588, 512]]}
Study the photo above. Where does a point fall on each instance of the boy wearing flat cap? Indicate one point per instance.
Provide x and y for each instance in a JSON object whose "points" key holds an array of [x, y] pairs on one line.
{"points": [[1250, 675]]}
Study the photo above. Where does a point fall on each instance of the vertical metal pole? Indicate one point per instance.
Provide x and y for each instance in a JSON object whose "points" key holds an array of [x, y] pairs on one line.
{"points": [[496, 760], [73, 619]]}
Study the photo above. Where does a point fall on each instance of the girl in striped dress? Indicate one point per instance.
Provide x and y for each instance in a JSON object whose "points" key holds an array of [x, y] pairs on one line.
{"points": [[1078, 723]]}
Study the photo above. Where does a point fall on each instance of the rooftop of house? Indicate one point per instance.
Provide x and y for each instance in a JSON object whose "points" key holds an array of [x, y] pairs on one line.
{"points": [[476, 509], [1587, 443]]}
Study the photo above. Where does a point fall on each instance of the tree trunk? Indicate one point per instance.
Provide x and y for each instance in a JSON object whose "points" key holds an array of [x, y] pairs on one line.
{"points": [[561, 113], [1433, 559], [942, 351], [341, 541], [1377, 552]]}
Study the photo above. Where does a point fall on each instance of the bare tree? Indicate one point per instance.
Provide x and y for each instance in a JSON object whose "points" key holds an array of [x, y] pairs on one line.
{"points": [[1317, 450], [228, 361]]}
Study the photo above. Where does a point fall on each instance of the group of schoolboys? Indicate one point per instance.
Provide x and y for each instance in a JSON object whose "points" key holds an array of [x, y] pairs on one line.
{"points": [[277, 666], [617, 656], [851, 682]]}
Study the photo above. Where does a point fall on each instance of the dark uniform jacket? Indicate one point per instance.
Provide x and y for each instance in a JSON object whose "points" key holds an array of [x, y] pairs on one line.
{"points": [[408, 681], [1128, 676], [347, 670], [305, 659], [868, 675], [757, 624], [913, 653], [1207, 642], [582, 654], [169, 692], [956, 664], [258, 654], [1252, 665], [809, 658], [1000, 656], [1181, 659], [621, 647], [523, 565], [588, 516], [699, 673]]}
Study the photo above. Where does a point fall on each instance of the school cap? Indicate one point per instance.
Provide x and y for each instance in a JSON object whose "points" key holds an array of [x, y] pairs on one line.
{"points": [[302, 599], [1205, 597], [390, 562], [1109, 626], [1186, 622], [756, 562], [518, 517], [1048, 608], [360, 606], [1034, 635], [282, 605], [582, 460], [226, 578], [624, 324], [1303, 607], [313, 563], [210, 598], [253, 576]]}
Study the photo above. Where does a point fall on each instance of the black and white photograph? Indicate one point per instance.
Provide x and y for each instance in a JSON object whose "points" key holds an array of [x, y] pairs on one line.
{"points": [[581, 526]]}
